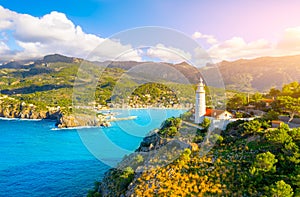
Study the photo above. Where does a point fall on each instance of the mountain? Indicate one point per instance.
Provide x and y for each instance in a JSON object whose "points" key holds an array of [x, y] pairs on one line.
{"points": [[252, 75], [24, 64], [60, 58], [260, 74], [191, 73], [17, 64]]}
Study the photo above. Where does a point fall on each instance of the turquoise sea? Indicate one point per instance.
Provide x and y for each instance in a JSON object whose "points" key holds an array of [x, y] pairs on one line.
{"points": [[36, 159]]}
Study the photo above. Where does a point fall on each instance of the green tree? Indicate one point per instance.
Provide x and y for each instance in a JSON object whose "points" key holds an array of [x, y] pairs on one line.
{"points": [[127, 172], [238, 101], [171, 131], [256, 97], [176, 122], [264, 162], [273, 93], [291, 151], [170, 127], [205, 124], [256, 100], [252, 127], [281, 189], [290, 105], [279, 136], [292, 89], [126, 177], [185, 155], [271, 115], [295, 134], [216, 138]]}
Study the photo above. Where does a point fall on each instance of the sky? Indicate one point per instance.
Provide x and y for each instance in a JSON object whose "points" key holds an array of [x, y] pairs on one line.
{"points": [[227, 30]]}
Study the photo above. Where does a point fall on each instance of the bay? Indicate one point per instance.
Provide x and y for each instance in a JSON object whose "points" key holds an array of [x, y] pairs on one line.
{"points": [[36, 159]]}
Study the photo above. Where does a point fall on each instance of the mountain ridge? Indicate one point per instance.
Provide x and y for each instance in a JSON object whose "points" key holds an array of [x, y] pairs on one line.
{"points": [[247, 75]]}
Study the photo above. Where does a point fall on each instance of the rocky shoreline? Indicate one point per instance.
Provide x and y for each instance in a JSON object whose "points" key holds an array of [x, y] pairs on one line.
{"points": [[14, 108], [81, 121], [29, 111], [62, 121]]}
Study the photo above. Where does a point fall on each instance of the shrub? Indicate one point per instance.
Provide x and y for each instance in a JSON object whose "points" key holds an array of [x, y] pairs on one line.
{"points": [[127, 172], [198, 139], [264, 162], [217, 138], [281, 189], [139, 159], [234, 125], [280, 135], [170, 127], [271, 115], [205, 124], [251, 127]]}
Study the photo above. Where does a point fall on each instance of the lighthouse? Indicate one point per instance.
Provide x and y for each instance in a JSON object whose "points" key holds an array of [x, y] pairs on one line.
{"points": [[200, 107]]}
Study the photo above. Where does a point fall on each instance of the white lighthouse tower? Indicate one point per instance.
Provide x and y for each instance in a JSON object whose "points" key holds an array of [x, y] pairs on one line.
{"points": [[200, 108]]}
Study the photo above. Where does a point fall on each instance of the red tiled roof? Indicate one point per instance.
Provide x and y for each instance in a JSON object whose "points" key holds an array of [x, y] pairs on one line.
{"points": [[267, 100], [214, 112], [208, 112], [276, 122]]}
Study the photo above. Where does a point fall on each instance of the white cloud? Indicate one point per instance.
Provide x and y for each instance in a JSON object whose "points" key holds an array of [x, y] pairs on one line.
{"points": [[5, 24], [290, 40], [168, 54], [132, 55], [236, 48], [3, 47], [210, 39], [52, 33], [201, 57], [114, 50]]}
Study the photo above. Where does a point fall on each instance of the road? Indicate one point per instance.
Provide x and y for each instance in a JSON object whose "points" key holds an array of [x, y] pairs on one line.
{"points": [[192, 125]]}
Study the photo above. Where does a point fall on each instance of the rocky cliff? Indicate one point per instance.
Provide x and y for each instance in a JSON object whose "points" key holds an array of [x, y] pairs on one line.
{"points": [[154, 151], [118, 181], [31, 112], [80, 121], [12, 108]]}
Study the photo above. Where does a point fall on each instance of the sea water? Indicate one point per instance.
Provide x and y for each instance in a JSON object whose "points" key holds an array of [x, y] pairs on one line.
{"points": [[36, 159]]}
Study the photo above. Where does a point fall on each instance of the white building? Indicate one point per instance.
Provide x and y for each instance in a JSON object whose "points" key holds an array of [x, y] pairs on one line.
{"points": [[200, 107], [201, 111], [218, 114]]}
